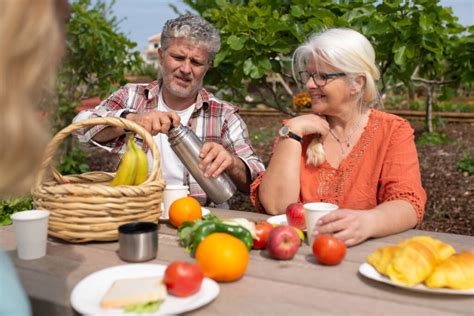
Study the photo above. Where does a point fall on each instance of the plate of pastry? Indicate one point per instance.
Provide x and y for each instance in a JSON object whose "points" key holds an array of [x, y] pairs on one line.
{"points": [[370, 272], [423, 264]]}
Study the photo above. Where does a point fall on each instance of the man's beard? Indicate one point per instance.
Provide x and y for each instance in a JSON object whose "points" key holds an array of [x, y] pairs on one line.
{"points": [[180, 91]]}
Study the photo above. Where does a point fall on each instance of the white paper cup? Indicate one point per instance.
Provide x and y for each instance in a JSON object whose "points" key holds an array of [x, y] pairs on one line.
{"points": [[172, 193], [31, 232], [313, 212]]}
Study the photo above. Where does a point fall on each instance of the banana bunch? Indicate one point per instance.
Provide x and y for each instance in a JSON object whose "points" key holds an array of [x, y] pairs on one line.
{"points": [[133, 169]]}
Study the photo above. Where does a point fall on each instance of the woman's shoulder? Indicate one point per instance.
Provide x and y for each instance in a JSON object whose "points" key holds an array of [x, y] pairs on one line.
{"points": [[389, 120]]}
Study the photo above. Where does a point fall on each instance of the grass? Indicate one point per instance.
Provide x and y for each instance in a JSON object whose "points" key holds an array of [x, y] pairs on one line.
{"points": [[466, 165], [434, 138]]}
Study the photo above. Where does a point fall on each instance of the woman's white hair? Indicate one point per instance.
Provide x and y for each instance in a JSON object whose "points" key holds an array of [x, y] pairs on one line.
{"points": [[344, 49], [347, 51]]}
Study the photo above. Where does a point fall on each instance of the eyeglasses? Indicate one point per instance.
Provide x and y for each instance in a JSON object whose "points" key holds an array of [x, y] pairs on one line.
{"points": [[320, 79]]}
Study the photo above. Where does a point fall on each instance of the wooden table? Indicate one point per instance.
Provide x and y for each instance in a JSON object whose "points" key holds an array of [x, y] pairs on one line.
{"points": [[269, 287]]}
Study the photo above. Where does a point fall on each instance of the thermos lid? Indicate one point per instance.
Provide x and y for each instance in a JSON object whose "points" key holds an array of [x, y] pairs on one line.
{"points": [[176, 133]]}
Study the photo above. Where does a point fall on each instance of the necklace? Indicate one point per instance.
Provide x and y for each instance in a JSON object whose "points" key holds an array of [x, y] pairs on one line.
{"points": [[347, 141]]}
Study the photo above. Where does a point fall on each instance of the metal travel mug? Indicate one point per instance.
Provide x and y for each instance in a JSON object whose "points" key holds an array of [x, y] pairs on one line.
{"points": [[187, 146], [138, 241]]}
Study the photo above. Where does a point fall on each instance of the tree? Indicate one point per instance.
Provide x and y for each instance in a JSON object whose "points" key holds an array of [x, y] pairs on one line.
{"points": [[97, 58], [259, 36], [415, 42]]}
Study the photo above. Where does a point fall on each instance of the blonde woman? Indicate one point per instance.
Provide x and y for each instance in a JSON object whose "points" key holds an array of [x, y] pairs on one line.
{"points": [[32, 42], [31, 45], [347, 152]]}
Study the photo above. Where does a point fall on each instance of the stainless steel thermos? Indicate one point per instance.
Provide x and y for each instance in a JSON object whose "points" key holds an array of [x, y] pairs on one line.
{"points": [[187, 146]]}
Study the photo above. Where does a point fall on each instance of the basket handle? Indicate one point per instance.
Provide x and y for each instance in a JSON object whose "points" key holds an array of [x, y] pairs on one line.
{"points": [[112, 121]]}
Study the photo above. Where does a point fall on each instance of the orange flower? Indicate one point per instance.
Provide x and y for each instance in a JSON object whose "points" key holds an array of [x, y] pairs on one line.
{"points": [[302, 100]]}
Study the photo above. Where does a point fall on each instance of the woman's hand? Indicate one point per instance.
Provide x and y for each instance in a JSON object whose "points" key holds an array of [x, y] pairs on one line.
{"points": [[353, 227], [309, 124]]}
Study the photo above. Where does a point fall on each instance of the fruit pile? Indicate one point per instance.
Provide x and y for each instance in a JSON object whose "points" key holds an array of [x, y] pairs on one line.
{"points": [[133, 169], [221, 247]]}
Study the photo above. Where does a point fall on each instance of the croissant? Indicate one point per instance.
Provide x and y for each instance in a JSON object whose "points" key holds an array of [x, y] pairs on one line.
{"points": [[456, 272], [382, 257], [416, 258], [443, 250]]}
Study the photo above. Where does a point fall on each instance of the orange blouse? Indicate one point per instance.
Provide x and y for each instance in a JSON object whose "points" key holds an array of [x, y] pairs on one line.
{"points": [[382, 166]]}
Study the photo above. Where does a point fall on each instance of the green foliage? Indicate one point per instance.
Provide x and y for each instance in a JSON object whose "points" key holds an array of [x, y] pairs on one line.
{"points": [[10, 206], [258, 37], [434, 138], [97, 58], [73, 162], [417, 105], [446, 106], [453, 107], [466, 165]]}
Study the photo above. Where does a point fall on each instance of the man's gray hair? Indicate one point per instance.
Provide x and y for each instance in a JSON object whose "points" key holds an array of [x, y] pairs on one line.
{"points": [[193, 28]]}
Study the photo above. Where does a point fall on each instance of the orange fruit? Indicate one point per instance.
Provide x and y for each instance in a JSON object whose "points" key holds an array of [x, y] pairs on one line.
{"points": [[184, 209], [222, 257]]}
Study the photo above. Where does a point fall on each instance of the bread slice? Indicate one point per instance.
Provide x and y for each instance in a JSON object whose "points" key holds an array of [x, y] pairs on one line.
{"points": [[124, 292]]}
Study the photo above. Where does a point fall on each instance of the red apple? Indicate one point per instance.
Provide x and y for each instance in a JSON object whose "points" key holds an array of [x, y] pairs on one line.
{"points": [[295, 215], [283, 242]]}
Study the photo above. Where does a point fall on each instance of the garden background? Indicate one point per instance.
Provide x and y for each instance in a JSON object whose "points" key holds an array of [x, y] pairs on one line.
{"points": [[424, 54]]}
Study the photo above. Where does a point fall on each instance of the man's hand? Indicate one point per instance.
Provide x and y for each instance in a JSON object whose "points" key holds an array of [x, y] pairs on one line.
{"points": [[215, 159], [155, 122]]}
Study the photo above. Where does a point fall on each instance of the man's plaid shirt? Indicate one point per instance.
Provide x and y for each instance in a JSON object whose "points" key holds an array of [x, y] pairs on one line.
{"points": [[213, 120]]}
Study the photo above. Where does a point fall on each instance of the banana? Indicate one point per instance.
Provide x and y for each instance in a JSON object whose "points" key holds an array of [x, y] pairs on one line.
{"points": [[128, 167], [142, 165]]}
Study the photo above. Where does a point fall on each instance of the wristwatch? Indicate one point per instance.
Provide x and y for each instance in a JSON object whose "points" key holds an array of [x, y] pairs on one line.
{"points": [[285, 132], [125, 113]]}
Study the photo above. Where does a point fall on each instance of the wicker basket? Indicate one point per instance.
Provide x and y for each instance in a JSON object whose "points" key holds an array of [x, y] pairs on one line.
{"points": [[85, 207]]}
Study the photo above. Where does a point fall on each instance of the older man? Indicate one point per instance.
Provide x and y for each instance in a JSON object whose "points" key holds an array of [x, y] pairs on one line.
{"points": [[188, 46]]}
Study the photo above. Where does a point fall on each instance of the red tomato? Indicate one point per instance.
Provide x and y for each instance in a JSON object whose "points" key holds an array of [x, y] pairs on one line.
{"points": [[262, 229], [328, 249], [182, 278]]}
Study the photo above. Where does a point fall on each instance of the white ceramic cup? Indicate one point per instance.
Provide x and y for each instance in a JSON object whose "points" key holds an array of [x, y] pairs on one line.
{"points": [[31, 232], [171, 193], [313, 212]]}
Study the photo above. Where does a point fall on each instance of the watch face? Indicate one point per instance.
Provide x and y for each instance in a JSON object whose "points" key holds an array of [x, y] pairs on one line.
{"points": [[284, 131]]}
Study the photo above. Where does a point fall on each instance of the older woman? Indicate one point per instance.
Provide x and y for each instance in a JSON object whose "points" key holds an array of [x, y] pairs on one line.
{"points": [[346, 152]]}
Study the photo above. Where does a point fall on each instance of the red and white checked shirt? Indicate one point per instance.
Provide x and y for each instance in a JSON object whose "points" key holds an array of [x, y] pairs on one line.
{"points": [[213, 120]]}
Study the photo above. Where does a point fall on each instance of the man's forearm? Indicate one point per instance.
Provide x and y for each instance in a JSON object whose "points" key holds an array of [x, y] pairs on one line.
{"points": [[240, 175], [108, 134]]}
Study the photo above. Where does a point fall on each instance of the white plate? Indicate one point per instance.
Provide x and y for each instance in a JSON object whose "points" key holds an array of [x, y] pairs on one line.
{"points": [[370, 272], [87, 294], [279, 220], [205, 211]]}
